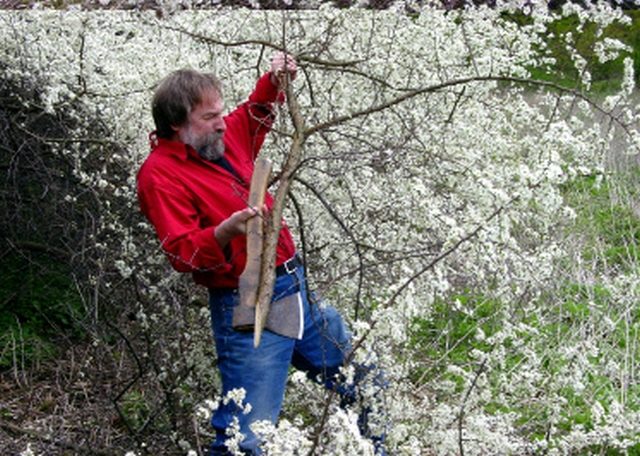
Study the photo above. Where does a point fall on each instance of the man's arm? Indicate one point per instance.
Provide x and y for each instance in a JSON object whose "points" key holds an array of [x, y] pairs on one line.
{"points": [[188, 246], [178, 226], [252, 120], [235, 225]]}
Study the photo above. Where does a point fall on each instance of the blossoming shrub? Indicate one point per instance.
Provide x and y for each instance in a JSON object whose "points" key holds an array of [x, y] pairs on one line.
{"points": [[603, 50], [39, 270], [440, 204]]}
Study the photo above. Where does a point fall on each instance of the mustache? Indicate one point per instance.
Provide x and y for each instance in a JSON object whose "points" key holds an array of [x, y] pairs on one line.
{"points": [[212, 146], [213, 137]]}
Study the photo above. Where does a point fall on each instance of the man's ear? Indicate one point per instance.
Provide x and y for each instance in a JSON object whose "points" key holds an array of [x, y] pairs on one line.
{"points": [[176, 131]]}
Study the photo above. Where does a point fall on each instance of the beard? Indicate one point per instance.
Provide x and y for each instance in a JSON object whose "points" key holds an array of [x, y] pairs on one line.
{"points": [[210, 147]]}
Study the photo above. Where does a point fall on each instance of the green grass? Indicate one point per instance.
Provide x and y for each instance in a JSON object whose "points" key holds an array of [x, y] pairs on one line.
{"points": [[611, 232], [453, 331], [448, 338], [606, 77], [39, 306]]}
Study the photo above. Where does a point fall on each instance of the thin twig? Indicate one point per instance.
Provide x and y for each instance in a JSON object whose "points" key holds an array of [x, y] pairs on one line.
{"points": [[267, 44], [455, 82], [303, 241], [60, 443], [323, 421], [131, 382], [464, 401], [37, 247], [455, 105], [447, 252], [196, 431], [429, 266], [349, 233]]}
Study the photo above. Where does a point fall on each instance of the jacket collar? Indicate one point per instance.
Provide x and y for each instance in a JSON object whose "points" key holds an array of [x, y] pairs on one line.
{"points": [[176, 148]]}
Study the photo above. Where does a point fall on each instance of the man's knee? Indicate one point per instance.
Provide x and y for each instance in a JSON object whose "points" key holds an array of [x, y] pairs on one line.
{"points": [[332, 327]]}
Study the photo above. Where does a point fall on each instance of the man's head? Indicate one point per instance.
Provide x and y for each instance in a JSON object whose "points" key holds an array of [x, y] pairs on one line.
{"points": [[187, 106]]}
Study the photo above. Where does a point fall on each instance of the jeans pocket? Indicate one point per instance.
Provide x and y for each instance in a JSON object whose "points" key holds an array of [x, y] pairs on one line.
{"points": [[221, 308]]}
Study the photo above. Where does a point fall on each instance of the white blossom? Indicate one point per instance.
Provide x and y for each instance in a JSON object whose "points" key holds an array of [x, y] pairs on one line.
{"points": [[456, 197]]}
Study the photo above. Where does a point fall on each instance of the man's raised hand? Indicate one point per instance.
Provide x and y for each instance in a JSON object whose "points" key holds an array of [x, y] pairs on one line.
{"points": [[282, 65]]}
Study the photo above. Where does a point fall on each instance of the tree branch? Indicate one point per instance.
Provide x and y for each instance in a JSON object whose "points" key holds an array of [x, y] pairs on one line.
{"points": [[452, 83], [349, 233], [12, 428], [429, 266], [37, 247], [322, 423], [464, 401], [274, 221], [264, 43]]}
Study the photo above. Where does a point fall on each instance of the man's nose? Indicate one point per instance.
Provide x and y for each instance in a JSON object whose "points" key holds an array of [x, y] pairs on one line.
{"points": [[220, 125]]}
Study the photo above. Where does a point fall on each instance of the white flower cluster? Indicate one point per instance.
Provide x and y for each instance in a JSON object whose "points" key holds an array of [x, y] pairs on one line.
{"points": [[286, 439], [444, 182], [28, 451]]}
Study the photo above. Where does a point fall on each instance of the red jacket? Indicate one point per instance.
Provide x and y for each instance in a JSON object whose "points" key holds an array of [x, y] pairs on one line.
{"points": [[185, 197]]}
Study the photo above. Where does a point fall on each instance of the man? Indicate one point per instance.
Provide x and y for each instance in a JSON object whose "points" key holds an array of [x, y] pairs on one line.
{"points": [[194, 188]]}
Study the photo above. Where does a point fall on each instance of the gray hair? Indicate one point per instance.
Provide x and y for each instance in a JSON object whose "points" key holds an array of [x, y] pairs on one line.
{"points": [[177, 95]]}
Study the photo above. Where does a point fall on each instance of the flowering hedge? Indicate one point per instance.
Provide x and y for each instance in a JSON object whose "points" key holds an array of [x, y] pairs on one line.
{"points": [[441, 201]]}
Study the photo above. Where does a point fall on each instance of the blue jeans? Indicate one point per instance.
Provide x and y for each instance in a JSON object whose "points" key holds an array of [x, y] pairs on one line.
{"points": [[262, 372]]}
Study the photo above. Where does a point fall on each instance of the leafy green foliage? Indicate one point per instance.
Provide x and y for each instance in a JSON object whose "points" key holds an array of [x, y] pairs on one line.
{"points": [[606, 76], [135, 409], [39, 305], [451, 335], [611, 231]]}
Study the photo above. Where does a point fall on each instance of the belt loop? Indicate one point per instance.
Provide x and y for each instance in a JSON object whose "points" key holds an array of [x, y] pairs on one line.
{"points": [[290, 265]]}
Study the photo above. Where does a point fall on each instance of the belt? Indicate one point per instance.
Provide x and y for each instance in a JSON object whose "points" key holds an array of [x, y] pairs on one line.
{"points": [[289, 266], [286, 268]]}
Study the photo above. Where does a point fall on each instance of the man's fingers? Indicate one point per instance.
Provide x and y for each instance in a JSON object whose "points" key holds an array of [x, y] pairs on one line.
{"points": [[283, 63], [241, 216], [254, 210]]}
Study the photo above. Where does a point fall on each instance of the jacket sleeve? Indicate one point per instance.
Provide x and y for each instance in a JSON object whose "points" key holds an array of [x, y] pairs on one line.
{"points": [[189, 246], [252, 120]]}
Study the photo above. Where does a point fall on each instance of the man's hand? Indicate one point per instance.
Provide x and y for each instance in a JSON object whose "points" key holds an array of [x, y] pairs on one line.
{"points": [[236, 224], [281, 65]]}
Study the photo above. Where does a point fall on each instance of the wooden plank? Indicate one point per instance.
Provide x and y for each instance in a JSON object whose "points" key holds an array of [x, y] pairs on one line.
{"points": [[250, 279]]}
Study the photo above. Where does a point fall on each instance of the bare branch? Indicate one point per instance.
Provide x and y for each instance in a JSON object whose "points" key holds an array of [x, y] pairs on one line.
{"points": [[349, 233], [455, 82], [265, 44], [455, 105], [464, 401], [37, 247], [274, 222], [78, 449], [323, 420]]}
